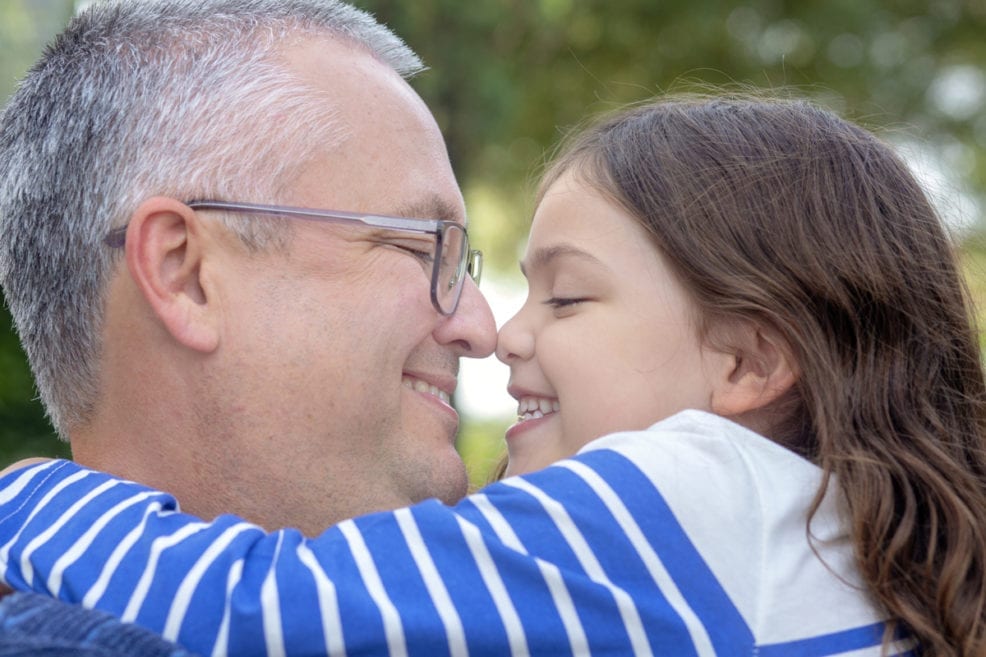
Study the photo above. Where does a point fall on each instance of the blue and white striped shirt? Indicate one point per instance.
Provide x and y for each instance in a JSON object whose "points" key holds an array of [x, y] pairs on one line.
{"points": [[685, 539]]}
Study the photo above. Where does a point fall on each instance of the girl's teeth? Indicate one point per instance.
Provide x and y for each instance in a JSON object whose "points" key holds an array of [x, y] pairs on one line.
{"points": [[532, 408]]}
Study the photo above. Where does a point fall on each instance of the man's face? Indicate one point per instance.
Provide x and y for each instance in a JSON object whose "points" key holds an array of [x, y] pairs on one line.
{"points": [[342, 366]]}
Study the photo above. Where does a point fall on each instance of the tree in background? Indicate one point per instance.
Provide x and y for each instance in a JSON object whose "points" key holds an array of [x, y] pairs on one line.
{"points": [[25, 26], [508, 76]]}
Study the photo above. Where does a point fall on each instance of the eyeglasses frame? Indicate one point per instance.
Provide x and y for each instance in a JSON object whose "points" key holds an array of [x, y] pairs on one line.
{"points": [[471, 263]]}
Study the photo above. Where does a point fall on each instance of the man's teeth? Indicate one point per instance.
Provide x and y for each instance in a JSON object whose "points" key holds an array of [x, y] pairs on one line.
{"points": [[427, 388], [531, 408]]}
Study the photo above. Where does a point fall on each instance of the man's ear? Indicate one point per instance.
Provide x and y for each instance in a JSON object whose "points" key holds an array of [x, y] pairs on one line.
{"points": [[755, 370], [165, 247]]}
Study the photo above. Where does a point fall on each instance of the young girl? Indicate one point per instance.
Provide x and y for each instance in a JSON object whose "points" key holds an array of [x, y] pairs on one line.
{"points": [[802, 286], [765, 264]]}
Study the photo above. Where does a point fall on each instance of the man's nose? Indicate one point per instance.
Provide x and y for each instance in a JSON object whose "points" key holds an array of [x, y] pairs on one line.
{"points": [[472, 329]]}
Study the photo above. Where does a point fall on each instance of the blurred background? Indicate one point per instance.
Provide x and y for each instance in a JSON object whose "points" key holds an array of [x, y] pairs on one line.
{"points": [[508, 77]]}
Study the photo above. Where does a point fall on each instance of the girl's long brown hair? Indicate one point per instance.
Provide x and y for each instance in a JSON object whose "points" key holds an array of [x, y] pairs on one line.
{"points": [[781, 212]]}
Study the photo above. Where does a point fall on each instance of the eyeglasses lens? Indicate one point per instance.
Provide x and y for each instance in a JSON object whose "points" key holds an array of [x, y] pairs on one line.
{"points": [[451, 266]]}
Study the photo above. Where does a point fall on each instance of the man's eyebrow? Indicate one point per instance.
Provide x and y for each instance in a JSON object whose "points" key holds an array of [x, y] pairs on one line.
{"points": [[543, 256], [433, 207]]}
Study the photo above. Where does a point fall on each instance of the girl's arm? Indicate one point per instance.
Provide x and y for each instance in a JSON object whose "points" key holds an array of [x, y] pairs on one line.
{"points": [[586, 556], [427, 580]]}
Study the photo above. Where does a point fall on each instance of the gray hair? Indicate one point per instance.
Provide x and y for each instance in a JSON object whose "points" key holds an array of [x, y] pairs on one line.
{"points": [[139, 98]]}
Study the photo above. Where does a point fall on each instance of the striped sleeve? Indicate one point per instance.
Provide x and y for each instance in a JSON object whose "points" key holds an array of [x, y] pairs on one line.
{"points": [[584, 557]]}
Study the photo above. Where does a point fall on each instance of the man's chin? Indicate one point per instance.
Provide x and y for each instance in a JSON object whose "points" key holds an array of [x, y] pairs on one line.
{"points": [[448, 479]]}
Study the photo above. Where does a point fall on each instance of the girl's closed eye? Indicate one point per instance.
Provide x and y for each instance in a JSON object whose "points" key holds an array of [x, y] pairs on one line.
{"points": [[564, 302]]}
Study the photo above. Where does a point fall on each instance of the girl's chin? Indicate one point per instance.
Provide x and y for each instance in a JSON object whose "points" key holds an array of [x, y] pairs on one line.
{"points": [[518, 465], [513, 471]]}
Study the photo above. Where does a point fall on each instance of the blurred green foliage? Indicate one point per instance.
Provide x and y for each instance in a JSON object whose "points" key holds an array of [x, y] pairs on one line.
{"points": [[481, 445], [24, 431], [510, 76]]}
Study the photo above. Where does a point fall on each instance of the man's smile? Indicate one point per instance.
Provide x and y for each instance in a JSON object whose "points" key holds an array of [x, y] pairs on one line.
{"points": [[423, 386]]}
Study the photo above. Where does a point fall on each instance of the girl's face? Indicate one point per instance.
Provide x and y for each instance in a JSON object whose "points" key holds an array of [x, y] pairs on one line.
{"points": [[606, 340]]}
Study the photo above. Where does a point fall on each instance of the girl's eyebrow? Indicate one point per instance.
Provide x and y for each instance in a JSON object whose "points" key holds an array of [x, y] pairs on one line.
{"points": [[544, 255]]}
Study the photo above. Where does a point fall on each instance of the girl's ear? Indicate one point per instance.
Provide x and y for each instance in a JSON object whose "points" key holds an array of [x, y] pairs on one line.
{"points": [[755, 370]]}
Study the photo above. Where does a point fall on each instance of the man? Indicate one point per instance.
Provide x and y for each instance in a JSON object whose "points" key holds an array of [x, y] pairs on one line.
{"points": [[293, 370], [296, 372]]}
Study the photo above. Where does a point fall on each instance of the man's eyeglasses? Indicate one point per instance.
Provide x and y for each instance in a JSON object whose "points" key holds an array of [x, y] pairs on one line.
{"points": [[451, 259]]}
